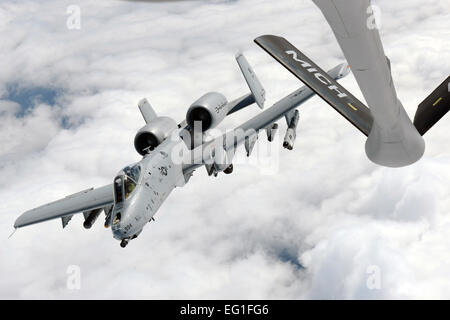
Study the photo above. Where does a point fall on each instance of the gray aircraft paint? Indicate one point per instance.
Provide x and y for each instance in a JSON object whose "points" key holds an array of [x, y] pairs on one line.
{"points": [[393, 140], [318, 80], [161, 172], [159, 176], [79, 202], [262, 120]]}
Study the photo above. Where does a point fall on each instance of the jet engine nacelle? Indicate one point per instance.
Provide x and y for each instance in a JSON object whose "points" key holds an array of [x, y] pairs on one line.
{"points": [[153, 134], [210, 109]]}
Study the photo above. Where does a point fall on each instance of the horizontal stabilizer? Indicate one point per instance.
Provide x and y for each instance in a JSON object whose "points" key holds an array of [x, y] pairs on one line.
{"points": [[318, 81], [433, 108]]}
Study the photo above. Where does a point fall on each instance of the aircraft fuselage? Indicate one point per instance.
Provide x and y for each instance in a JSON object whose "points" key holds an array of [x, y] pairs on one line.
{"points": [[159, 174]]}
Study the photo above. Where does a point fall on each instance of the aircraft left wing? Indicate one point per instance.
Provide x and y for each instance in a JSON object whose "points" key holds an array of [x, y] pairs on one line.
{"points": [[83, 201]]}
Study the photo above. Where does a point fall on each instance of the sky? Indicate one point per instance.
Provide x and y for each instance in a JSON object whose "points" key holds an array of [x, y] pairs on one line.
{"points": [[324, 223]]}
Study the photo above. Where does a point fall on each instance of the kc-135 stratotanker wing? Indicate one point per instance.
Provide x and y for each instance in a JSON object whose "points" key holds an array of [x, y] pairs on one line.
{"points": [[172, 151]]}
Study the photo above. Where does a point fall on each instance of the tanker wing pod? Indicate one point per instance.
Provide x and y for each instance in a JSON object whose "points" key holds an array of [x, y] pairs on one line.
{"points": [[319, 81]]}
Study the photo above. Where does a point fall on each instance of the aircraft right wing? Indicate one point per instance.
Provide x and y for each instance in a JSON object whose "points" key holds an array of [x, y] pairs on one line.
{"points": [[83, 201], [318, 81], [248, 131]]}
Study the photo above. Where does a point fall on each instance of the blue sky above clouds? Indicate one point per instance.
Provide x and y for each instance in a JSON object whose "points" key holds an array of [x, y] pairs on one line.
{"points": [[316, 228]]}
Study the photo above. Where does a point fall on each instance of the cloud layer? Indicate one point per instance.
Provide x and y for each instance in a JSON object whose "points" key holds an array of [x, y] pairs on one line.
{"points": [[318, 228]]}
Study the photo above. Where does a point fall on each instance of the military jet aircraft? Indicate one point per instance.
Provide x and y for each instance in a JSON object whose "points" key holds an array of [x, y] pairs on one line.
{"points": [[170, 154]]}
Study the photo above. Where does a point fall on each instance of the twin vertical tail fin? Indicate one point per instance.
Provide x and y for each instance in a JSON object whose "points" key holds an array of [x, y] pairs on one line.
{"points": [[256, 88], [433, 108], [147, 111], [257, 93]]}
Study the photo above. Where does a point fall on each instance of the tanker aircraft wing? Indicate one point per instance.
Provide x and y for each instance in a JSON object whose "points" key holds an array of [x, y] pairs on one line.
{"points": [[318, 80]]}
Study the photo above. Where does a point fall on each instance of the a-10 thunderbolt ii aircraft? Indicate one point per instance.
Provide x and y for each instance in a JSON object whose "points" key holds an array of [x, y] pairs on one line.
{"points": [[171, 152]]}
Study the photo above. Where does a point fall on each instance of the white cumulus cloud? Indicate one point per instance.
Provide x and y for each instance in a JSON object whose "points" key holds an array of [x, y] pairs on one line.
{"points": [[316, 228]]}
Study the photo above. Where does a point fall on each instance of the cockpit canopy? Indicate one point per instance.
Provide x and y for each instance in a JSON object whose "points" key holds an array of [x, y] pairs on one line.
{"points": [[125, 182], [133, 172]]}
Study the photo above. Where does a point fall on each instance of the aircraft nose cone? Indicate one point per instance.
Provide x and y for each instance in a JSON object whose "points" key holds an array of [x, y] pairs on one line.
{"points": [[122, 230], [118, 233]]}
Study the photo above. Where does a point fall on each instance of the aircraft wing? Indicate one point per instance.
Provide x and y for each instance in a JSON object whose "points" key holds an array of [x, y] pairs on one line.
{"points": [[83, 201], [287, 104], [319, 81], [261, 121], [433, 108]]}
